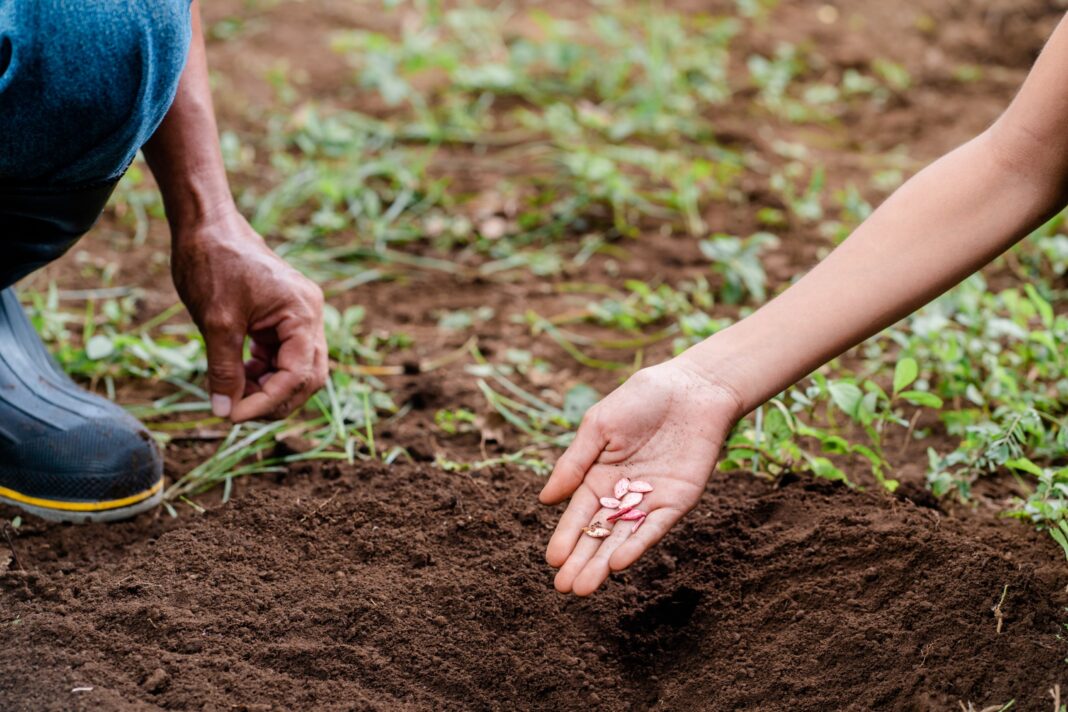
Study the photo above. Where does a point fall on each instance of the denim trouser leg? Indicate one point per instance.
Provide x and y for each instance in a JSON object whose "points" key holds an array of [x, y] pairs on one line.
{"points": [[37, 227], [83, 85]]}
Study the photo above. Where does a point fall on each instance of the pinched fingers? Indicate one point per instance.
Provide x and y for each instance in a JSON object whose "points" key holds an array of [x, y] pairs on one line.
{"points": [[301, 371]]}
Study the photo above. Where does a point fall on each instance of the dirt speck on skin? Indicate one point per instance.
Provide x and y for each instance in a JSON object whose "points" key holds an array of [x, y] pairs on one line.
{"points": [[406, 588]]}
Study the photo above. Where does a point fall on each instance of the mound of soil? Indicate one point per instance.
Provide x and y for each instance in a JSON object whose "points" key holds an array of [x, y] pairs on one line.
{"points": [[407, 588]]}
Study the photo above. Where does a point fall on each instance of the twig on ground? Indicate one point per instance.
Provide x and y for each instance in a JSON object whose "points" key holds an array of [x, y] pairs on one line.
{"points": [[11, 545], [998, 614]]}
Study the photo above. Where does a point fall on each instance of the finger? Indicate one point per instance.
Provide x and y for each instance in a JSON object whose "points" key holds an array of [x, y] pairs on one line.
{"points": [[580, 512], [583, 551], [571, 468], [596, 570], [226, 370], [279, 393], [316, 379], [652, 530]]}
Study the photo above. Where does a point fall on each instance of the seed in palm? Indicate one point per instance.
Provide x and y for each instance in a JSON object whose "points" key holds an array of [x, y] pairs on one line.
{"points": [[597, 530], [631, 515]]}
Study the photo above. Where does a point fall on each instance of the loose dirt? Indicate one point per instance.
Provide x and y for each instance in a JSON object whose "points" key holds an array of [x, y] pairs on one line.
{"points": [[405, 588]]}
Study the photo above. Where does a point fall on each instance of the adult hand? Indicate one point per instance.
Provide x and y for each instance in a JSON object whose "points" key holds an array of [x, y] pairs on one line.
{"points": [[235, 287], [665, 425]]}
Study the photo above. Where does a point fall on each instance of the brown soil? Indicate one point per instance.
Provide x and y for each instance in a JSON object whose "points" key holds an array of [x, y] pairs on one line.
{"points": [[411, 588], [405, 588]]}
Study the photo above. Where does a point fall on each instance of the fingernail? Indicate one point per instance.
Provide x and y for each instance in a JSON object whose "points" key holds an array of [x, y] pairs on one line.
{"points": [[264, 378], [220, 406]]}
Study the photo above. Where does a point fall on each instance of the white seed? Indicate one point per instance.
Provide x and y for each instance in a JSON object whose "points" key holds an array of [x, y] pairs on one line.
{"points": [[597, 530], [610, 502], [631, 499], [640, 486], [621, 488]]}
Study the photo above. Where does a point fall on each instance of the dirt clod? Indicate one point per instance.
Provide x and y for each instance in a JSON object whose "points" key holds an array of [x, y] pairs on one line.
{"points": [[156, 681]]}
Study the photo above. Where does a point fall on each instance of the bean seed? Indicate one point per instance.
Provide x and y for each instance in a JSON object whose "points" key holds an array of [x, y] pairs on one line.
{"points": [[597, 530]]}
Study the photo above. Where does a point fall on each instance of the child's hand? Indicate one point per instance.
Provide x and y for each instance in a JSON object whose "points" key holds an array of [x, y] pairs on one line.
{"points": [[665, 425]]}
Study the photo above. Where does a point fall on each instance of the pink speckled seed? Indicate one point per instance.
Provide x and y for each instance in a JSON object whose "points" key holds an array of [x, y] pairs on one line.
{"points": [[621, 488], [632, 515], [638, 524], [640, 486], [631, 499], [610, 502]]}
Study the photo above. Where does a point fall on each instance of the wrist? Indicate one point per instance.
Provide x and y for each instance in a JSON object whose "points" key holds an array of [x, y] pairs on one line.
{"points": [[716, 369], [192, 208], [212, 226]]}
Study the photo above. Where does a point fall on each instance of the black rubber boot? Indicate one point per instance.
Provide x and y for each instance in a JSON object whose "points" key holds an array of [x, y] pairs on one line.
{"points": [[65, 454]]}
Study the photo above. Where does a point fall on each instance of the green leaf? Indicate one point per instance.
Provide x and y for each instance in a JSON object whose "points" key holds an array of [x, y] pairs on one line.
{"points": [[822, 467], [1043, 307], [1058, 536], [846, 396], [1025, 465], [922, 399], [905, 373]]}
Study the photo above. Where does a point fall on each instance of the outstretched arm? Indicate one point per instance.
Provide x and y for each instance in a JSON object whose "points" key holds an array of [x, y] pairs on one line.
{"points": [[233, 284], [667, 423]]}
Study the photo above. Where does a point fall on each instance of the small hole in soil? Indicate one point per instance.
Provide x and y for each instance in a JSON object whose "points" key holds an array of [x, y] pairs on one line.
{"points": [[673, 611]]}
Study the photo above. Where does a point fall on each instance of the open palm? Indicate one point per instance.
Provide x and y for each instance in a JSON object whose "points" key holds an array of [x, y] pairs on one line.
{"points": [[665, 425]]}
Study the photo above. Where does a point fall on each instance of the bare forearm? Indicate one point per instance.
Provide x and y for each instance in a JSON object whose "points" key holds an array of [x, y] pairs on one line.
{"points": [[184, 152], [945, 223]]}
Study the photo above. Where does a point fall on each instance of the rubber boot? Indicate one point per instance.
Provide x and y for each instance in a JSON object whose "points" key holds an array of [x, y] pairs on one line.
{"points": [[65, 454]]}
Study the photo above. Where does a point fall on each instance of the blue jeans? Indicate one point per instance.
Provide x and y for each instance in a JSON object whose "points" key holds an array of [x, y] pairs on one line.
{"points": [[83, 85]]}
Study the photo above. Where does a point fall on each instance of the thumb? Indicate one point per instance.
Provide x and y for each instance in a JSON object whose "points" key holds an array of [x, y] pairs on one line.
{"points": [[226, 369], [576, 461]]}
